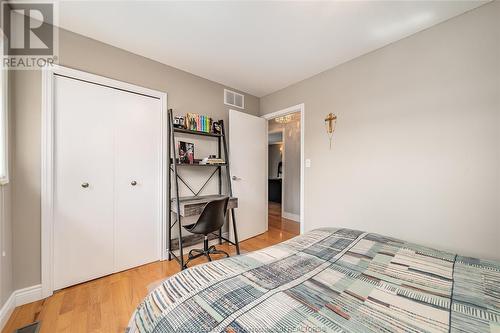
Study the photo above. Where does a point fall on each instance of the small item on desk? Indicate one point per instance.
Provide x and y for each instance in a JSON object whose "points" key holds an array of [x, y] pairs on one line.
{"points": [[209, 125], [186, 152], [212, 160], [179, 122], [216, 128]]}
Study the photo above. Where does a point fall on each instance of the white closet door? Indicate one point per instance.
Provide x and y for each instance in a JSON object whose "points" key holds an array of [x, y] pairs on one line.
{"points": [[83, 216], [109, 139], [137, 207]]}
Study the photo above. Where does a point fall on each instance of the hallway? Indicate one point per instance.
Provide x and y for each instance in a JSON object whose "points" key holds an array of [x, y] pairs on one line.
{"points": [[281, 223]]}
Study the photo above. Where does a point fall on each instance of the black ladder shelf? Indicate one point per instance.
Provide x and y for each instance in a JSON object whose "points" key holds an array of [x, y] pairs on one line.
{"points": [[176, 200]]}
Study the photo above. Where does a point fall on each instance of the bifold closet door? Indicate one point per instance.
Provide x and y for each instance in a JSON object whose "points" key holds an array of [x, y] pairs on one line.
{"points": [[107, 180], [83, 173], [137, 182]]}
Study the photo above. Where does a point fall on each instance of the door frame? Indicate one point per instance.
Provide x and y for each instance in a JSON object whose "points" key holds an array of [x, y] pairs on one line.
{"points": [[293, 109], [47, 163], [283, 167]]}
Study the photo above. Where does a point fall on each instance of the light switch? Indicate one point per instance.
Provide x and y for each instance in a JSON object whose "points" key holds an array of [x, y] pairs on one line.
{"points": [[308, 163]]}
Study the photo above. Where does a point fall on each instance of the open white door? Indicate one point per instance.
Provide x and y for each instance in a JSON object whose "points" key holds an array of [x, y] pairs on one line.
{"points": [[248, 161]]}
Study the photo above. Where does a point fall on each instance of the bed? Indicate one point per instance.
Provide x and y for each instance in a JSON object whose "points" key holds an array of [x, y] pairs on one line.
{"points": [[329, 280]]}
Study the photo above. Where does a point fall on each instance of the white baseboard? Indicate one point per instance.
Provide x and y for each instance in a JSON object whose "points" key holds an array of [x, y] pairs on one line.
{"points": [[6, 310], [290, 216], [28, 295], [17, 298]]}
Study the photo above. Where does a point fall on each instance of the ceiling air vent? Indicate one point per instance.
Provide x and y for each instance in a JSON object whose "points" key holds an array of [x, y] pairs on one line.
{"points": [[232, 98]]}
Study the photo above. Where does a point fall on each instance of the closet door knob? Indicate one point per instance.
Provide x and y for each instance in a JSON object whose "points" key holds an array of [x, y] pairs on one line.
{"points": [[85, 185], [133, 183]]}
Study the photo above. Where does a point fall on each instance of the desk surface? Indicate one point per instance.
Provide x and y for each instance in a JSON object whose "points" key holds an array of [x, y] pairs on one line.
{"points": [[191, 206]]}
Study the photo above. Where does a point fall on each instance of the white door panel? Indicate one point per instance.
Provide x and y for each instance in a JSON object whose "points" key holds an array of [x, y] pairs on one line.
{"points": [[137, 207], [107, 138], [248, 160], [83, 217]]}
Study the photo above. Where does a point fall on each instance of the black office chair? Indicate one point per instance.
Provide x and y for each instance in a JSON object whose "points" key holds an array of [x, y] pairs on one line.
{"points": [[211, 219]]}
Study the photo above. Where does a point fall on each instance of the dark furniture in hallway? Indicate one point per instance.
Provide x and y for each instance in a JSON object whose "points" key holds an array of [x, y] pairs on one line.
{"points": [[274, 191]]}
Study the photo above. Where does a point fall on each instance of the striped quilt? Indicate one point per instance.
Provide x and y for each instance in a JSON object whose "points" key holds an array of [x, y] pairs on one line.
{"points": [[329, 280]]}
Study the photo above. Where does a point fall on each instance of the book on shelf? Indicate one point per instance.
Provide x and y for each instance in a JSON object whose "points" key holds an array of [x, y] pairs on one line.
{"points": [[212, 161], [199, 123]]}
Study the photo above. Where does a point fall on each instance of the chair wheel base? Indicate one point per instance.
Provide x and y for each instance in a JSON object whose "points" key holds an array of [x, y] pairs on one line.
{"points": [[196, 253]]}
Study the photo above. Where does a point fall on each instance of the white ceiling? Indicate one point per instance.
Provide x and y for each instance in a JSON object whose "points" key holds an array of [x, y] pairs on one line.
{"points": [[255, 46]]}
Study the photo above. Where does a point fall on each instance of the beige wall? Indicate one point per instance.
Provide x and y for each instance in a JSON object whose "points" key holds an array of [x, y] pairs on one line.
{"points": [[5, 242], [291, 165], [416, 152], [6, 284], [274, 157], [186, 93]]}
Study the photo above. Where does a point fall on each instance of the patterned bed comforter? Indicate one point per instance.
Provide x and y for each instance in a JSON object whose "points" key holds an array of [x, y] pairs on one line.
{"points": [[329, 280]]}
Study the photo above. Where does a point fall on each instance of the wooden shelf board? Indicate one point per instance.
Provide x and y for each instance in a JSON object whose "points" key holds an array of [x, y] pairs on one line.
{"points": [[201, 165], [186, 131]]}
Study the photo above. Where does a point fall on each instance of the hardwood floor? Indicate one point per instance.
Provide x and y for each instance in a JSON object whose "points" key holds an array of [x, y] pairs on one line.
{"points": [[106, 304], [276, 221]]}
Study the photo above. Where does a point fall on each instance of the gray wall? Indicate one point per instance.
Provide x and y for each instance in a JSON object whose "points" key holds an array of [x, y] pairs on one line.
{"points": [[274, 157], [5, 242], [6, 284], [291, 164], [186, 93], [416, 152]]}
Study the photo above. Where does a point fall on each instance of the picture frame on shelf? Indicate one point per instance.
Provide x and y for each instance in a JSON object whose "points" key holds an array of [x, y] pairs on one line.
{"points": [[186, 152]]}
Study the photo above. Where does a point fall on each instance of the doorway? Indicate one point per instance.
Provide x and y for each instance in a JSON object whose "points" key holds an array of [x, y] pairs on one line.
{"points": [[285, 169]]}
